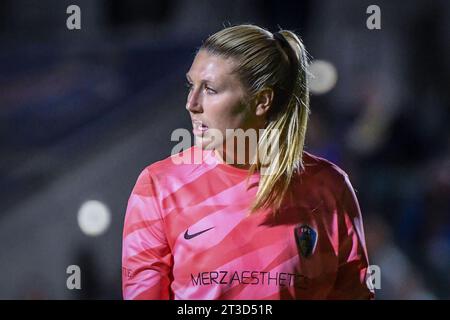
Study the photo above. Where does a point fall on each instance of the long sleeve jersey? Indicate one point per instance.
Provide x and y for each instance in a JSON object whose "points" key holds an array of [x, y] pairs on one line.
{"points": [[187, 234]]}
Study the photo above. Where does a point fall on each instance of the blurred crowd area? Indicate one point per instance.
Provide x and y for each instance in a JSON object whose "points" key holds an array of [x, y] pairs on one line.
{"points": [[83, 112]]}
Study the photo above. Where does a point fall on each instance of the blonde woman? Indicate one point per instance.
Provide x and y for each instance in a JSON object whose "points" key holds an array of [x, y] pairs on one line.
{"points": [[221, 228]]}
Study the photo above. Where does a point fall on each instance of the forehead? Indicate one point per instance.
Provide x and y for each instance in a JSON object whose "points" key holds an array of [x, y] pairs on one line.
{"points": [[210, 67]]}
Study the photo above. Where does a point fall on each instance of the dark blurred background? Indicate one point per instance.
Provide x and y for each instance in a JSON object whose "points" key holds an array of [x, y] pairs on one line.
{"points": [[82, 112]]}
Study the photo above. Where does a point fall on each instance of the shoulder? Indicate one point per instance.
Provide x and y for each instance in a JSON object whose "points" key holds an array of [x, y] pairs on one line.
{"points": [[317, 165], [331, 183], [176, 169], [324, 172]]}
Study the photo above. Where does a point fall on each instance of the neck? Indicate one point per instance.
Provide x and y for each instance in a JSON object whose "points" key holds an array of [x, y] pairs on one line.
{"points": [[241, 159]]}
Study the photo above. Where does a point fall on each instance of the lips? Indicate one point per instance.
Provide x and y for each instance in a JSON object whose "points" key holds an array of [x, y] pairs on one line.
{"points": [[199, 127]]}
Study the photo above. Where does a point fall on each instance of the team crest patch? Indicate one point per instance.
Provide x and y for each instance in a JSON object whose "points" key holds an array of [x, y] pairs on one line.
{"points": [[306, 238]]}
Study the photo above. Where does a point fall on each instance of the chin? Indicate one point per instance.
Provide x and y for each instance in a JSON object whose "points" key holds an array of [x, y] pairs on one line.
{"points": [[206, 143]]}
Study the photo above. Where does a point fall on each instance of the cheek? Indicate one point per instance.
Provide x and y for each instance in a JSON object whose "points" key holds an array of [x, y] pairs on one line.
{"points": [[226, 112]]}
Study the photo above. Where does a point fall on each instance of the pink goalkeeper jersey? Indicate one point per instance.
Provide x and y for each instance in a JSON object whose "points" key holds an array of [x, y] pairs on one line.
{"points": [[187, 235]]}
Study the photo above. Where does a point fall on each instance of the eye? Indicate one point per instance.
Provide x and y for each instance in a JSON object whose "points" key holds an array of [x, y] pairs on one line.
{"points": [[210, 90], [188, 85]]}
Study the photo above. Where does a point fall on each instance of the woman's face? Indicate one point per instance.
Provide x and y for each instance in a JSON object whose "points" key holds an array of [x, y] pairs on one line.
{"points": [[216, 100]]}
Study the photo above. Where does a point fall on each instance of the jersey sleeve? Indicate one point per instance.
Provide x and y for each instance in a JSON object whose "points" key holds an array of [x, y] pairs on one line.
{"points": [[146, 255], [350, 282]]}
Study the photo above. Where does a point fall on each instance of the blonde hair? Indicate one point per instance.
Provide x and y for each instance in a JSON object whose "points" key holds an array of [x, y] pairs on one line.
{"points": [[262, 62]]}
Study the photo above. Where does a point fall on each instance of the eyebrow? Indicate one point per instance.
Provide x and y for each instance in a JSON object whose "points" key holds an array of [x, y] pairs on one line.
{"points": [[204, 80]]}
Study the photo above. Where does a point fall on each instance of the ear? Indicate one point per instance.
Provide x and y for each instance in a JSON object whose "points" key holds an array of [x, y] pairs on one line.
{"points": [[263, 101]]}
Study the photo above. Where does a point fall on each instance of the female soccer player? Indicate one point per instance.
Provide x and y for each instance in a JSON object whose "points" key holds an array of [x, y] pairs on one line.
{"points": [[279, 224]]}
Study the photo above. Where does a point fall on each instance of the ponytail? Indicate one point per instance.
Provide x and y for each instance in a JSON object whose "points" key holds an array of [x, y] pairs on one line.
{"points": [[289, 124], [278, 61]]}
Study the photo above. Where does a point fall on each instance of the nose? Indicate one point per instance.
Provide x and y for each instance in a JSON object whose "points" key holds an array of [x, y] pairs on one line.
{"points": [[193, 102]]}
